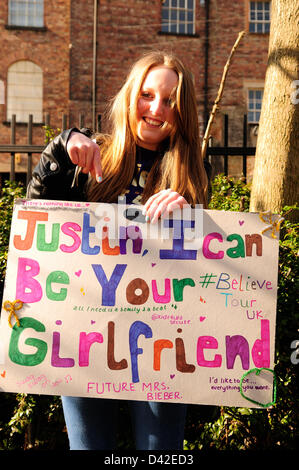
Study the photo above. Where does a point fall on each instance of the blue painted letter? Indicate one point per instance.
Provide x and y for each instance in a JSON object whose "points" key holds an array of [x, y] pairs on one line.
{"points": [[178, 251], [109, 287], [87, 229], [137, 328]]}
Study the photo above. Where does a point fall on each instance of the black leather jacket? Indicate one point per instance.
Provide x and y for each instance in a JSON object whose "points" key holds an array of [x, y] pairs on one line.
{"points": [[53, 176]]}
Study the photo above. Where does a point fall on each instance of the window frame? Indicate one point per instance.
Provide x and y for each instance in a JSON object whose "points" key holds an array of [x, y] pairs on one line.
{"points": [[173, 7], [257, 21], [31, 20], [10, 98], [254, 110]]}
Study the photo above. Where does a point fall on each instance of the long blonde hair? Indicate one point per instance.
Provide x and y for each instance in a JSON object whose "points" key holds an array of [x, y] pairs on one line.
{"points": [[180, 166]]}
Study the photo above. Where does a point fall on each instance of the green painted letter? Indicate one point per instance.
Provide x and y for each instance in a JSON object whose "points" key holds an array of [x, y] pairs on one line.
{"points": [[59, 277], [16, 355], [178, 287], [237, 251], [41, 243]]}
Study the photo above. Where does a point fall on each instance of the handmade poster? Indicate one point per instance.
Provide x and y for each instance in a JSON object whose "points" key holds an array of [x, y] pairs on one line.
{"points": [[100, 303]]}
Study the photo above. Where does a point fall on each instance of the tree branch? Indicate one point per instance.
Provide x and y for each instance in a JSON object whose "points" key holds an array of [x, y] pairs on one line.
{"points": [[219, 95]]}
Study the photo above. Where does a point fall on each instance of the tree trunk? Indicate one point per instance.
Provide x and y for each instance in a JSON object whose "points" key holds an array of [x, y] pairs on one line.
{"points": [[276, 171]]}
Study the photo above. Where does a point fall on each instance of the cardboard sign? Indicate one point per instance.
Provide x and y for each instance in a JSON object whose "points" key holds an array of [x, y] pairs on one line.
{"points": [[102, 304]]}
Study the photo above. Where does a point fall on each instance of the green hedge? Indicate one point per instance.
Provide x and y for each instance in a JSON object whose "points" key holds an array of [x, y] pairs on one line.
{"points": [[36, 421]]}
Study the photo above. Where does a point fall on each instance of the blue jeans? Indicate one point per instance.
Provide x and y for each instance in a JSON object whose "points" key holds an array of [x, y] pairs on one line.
{"points": [[91, 423]]}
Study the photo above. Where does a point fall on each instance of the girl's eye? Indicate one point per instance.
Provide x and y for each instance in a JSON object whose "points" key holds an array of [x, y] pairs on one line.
{"points": [[145, 94]]}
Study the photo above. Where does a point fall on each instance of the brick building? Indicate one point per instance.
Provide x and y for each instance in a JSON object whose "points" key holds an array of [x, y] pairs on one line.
{"points": [[71, 56]]}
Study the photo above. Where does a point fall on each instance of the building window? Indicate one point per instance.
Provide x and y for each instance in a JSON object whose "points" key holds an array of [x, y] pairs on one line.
{"points": [[259, 17], [2, 98], [28, 13], [178, 16], [255, 98], [25, 91]]}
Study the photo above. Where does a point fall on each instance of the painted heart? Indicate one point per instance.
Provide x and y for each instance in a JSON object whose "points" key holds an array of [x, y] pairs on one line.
{"points": [[172, 376], [202, 318], [3, 373], [241, 222], [92, 322], [153, 264], [78, 273]]}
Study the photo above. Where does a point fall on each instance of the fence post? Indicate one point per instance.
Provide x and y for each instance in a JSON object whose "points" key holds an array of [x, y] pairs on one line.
{"points": [[29, 155], [99, 123], [13, 142], [47, 119], [210, 144], [226, 144], [64, 122], [244, 147], [81, 121]]}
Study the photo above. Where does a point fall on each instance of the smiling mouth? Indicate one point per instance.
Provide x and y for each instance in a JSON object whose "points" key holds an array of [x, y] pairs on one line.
{"points": [[153, 122]]}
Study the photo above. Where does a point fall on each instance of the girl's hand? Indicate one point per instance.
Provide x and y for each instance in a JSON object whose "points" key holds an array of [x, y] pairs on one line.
{"points": [[162, 203], [86, 154]]}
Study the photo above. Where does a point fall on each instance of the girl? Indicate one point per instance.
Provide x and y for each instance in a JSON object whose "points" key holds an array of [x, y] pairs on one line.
{"points": [[152, 156]]}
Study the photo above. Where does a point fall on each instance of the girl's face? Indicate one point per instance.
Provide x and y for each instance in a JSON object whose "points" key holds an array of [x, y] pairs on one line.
{"points": [[155, 115]]}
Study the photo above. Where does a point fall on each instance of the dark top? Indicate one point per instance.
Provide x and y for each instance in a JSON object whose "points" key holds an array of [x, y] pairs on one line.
{"points": [[144, 161]]}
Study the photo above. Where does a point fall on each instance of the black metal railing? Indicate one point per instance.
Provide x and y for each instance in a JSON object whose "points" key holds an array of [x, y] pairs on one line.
{"points": [[224, 151]]}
